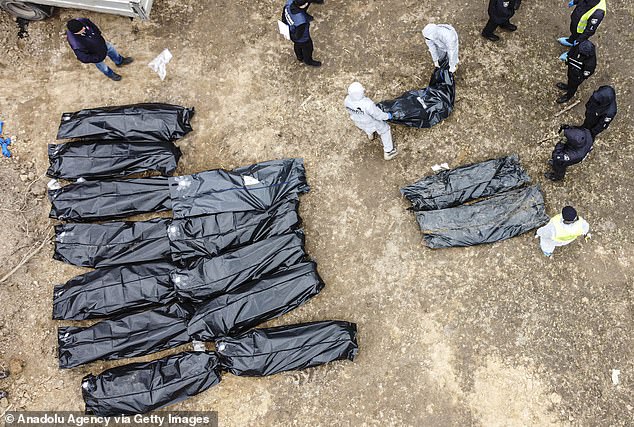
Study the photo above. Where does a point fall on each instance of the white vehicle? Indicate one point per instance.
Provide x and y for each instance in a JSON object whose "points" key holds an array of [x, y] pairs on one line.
{"points": [[41, 9]]}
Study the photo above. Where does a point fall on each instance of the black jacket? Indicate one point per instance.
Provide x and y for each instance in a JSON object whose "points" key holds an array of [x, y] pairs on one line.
{"points": [[500, 11], [600, 110], [582, 61], [578, 144], [593, 22], [89, 47]]}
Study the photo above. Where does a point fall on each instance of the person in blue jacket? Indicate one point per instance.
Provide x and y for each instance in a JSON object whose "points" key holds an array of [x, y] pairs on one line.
{"points": [[294, 15], [85, 38]]}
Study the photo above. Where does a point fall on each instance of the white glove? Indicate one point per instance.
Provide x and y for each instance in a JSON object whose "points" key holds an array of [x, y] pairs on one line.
{"points": [[453, 68], [436, 64]]}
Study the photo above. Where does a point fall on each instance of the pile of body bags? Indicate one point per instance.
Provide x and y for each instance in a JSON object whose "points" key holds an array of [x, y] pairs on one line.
{"points": [[230, 257], [479, 203]]}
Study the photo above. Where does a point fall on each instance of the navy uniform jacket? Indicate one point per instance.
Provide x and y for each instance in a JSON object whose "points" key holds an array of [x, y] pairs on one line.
{"points": [[89, 47], [578, 144]]}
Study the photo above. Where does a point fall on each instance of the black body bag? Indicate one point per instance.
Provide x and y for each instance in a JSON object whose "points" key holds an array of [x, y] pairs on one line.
{"points": [[255, 302], [262, 352], [454, 187], [137, 122], [115, 290], [423, 108], [125, 336], [211, 277], [103, 200], [257, 187], [499, 217], [138, 388], [112, 243], [110, 159]]}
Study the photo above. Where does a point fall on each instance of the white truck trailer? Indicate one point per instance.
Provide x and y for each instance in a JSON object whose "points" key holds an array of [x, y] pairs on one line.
{"points": [[41, 9]]}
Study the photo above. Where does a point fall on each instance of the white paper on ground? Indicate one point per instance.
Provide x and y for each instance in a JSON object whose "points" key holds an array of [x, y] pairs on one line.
{"points": [[158, 64]]}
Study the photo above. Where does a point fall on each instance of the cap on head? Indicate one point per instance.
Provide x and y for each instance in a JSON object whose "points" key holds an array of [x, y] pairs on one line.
{"points": [[356, 90], [569, 214], [74, 26], [300, 2], [586, 47]]}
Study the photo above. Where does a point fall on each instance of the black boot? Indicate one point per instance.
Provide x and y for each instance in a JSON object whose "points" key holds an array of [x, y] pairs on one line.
{"points": [[126, 61], [509, 27], [313, 63], [562, 86], [551, 176], [564, 98], [491, 37]]}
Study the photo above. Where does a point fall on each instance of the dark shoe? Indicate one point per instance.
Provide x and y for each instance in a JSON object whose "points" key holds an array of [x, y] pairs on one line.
{"points": [[563, 98], [491, 37], [562, 86], [116, 77], [509, 27], [313, 63], [300, 59], [4, 374], [551, 176], [126, 61]]}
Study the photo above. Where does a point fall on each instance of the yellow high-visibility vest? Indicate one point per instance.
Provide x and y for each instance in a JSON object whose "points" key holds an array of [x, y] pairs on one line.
{"points": [[583, 22], [567, 234]]}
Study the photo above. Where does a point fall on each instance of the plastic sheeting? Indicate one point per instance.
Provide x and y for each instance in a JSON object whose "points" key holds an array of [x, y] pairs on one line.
{"points": [[126, 336], [138, 388], [498, 217], [454, 187], [212, 277], [255, 302], [112, 243], [105, 159], [256, 187], [102, 200], [209, 235], [115, 290], [263, 352], [138, 122], [423, 108]]}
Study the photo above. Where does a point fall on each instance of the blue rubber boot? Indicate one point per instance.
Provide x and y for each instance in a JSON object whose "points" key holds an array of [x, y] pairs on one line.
{"points": [[564, 41], [563, 56]]}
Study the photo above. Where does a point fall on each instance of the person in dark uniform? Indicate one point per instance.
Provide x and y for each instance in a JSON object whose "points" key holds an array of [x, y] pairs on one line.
{"points": [[500, 13], [577, 146], [582, 61], [600, 110], [584, 20], [294, 15]]}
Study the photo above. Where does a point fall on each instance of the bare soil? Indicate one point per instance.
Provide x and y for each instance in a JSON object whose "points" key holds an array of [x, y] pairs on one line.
{"points": [[495, 335]]}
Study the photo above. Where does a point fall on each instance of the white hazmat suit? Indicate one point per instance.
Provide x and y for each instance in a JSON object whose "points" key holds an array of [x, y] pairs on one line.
{"points": [[442, 40], [367, 116]]}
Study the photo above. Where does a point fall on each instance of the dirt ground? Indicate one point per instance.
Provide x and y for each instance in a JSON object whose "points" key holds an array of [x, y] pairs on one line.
{"points": [[495, 335]]}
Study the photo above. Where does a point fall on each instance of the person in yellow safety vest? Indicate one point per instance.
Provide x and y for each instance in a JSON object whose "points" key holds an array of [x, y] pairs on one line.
{"points": [[584, 20], [561, 230]]}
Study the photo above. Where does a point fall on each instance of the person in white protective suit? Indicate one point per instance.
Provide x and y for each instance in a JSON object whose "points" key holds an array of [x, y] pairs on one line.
{"points": [[369, 118], [442, 40]]}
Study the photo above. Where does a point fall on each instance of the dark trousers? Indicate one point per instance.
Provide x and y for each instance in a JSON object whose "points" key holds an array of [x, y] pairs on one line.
{"points": [[304, 51], [573, 85], [594, 124], [491, 26], [559, 169]]}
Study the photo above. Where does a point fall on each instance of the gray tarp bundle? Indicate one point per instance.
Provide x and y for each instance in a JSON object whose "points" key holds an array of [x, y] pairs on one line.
{"points": [[261, 352], [212, 277], [138, 388], [423, 108], [498, 217], [137, 122], [114, 290], [122, 289], [255, 302], [257, 187], [125, 336], [110, 159], [454, 187], [112, 243], [102, 200], [178, 240]]}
